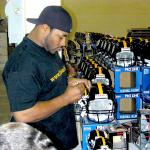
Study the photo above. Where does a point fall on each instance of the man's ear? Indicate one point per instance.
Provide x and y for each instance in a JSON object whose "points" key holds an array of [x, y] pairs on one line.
{"points": [[45, 28]]}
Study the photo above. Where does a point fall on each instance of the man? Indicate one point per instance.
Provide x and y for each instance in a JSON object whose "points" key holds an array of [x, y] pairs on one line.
{"points": [[38, 87]]}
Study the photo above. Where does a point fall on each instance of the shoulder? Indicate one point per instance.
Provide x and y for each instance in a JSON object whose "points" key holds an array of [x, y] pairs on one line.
{"points": [[21, 58]]}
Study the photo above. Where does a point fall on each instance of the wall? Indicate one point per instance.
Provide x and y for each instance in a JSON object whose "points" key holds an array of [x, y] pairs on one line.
{"points": [[18, 11], [2, 9], [108, 16], [105, 16]]}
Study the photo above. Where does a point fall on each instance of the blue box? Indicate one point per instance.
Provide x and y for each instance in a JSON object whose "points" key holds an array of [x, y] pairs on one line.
{"points": [[127, 105], [86, 129], [145, 100], [118, 81], [145, 86]]}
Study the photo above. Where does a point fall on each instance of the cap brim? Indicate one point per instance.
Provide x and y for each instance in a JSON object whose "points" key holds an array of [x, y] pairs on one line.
{"points": [[33, 20]]}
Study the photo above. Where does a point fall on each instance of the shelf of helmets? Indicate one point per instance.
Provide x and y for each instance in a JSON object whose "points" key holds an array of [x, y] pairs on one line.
{"points": [[97, 69], [101, 101]]}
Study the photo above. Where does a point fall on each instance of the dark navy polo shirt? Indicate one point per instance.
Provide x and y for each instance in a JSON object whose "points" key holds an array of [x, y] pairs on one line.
{"points": [[32, 74]]}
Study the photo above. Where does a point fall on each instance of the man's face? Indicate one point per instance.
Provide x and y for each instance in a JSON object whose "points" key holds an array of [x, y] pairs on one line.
{"points": [[55, 40]]}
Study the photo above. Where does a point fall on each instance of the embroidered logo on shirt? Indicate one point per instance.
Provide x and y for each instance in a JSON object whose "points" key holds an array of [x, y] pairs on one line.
{"points": [[58, 74]]}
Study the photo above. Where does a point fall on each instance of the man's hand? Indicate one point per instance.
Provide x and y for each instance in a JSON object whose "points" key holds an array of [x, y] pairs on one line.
{"points": [[74, 93], [75, 81]]}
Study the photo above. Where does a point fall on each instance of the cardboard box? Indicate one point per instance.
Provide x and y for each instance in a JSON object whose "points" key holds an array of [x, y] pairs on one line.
{"points": [[86, 129], [127, 105], [125, 80]]}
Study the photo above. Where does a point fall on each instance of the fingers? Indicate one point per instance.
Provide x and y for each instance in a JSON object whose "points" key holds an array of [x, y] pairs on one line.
{"points": [[74, 93], [89, 85], [81, 86], [86, 82], [76, 81]]}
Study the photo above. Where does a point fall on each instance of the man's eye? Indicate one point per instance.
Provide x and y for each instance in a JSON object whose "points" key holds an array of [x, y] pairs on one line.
{"points": [[60, 37]]}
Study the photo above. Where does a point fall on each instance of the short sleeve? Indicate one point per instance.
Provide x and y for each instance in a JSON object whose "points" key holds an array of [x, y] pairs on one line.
{"points": [[22, 89]]}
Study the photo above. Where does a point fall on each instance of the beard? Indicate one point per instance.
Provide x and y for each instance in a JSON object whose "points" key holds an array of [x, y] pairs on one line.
{"points": [[48, 45]]}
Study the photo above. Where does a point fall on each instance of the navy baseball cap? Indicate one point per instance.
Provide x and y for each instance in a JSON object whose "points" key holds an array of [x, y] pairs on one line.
{"points": [[55, 17]]}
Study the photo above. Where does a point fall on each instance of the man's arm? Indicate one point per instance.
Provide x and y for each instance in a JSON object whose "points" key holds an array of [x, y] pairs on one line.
{"points": [[42, 110]]}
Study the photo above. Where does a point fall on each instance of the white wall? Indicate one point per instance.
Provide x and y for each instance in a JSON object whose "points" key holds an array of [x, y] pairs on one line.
{"points": [[18, 10]]}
